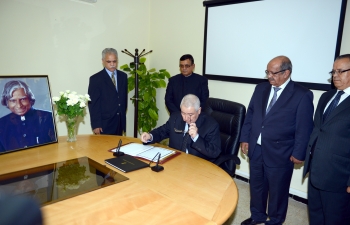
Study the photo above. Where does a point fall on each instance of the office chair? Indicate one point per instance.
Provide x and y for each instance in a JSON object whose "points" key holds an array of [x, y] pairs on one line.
{"points": [[230, 116]]}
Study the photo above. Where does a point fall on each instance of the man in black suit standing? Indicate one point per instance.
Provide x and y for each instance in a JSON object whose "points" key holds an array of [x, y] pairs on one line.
{"points": [[328, 154], [275, 134], [185, 83], [108, 90]]}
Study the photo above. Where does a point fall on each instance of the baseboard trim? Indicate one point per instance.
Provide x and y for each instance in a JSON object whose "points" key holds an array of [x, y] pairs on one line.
{"points": [[294, 194]]}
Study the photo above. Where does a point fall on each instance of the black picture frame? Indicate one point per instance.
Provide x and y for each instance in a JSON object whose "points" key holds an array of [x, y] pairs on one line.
{"points": [[22, 125]]}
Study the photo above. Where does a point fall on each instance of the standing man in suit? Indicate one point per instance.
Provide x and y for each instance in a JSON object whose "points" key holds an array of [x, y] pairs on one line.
{"points": [[185, 83], [109, 96], [328, 154], [189, 130], [275, 133]]}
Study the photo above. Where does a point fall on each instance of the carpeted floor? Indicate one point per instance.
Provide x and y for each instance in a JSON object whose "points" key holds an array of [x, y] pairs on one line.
{"points": [[296, 215]]}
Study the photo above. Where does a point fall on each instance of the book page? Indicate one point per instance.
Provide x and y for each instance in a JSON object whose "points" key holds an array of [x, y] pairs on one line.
{"points": [[134, 149], [151, 153]]}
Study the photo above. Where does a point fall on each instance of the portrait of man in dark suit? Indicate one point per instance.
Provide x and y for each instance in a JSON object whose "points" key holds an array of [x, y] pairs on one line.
{"points": [[185, 83], [108, 90], [190, 131], [25, 126], [275, 134], [328, 154]]}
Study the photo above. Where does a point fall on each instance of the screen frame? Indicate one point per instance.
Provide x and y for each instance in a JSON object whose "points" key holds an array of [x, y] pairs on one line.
{"points": [[249, 80]]}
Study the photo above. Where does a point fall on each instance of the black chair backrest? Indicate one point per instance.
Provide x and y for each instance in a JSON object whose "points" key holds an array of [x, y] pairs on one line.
{"points": [[230, 116]]}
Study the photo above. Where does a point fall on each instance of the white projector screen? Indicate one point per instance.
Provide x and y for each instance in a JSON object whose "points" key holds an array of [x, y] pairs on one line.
{"points": [[241, 37]]}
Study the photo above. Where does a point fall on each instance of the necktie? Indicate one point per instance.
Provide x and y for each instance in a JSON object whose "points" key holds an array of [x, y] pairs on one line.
{"points": [[332, 105], [113, 78], [184, 142], [274, 99]]}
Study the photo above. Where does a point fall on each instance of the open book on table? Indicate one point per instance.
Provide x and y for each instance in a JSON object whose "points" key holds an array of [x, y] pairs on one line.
{"points": [[147, 152]]}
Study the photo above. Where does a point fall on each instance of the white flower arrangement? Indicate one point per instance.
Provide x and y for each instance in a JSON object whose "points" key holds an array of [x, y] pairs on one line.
{"points": [[70, 103]]}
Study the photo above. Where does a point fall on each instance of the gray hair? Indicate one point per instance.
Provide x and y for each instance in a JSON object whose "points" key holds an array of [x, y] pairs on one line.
{"points": [[286, 64], [12, 86], [190, 101], [107, 51]]}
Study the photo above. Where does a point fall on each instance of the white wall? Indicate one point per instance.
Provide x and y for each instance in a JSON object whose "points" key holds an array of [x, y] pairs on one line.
{"points": [[178, 28], [64, 39]]}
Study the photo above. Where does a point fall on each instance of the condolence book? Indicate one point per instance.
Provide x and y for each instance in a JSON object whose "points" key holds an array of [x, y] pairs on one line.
{"points": [[147, 152], [126, 163]]}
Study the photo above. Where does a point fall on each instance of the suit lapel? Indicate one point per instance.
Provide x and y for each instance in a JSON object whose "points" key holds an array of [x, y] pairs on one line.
{"points": [[283, 98], [108, 81], [265, 98], [324, 103], [341, 107], [119, 85]]}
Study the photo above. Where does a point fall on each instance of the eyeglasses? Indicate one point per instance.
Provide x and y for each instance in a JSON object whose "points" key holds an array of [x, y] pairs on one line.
{"points": [[111, 61], [185, 66], [338, 72], [273, 73]]}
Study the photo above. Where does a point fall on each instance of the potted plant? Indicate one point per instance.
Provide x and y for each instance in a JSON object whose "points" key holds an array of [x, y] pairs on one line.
{"points": [[148, 82]]}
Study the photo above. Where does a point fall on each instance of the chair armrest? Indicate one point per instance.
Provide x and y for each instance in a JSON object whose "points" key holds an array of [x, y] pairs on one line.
{"points": [[224, 158]]}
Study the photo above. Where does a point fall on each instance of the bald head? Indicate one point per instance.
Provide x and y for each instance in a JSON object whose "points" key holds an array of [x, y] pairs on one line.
{"points": [[279, 70]]}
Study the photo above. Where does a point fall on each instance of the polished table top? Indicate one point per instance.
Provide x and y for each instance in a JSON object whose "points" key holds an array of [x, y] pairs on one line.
{"points": [[190, 190]]}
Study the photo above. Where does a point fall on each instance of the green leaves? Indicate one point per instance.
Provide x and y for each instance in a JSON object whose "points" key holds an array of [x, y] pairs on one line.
{"points": [[149, 81]]}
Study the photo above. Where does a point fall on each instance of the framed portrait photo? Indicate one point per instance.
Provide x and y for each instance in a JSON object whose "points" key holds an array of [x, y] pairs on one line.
{"points": [[26, 113]]}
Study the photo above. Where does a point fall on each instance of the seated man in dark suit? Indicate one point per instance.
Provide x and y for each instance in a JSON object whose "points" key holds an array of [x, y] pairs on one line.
{"points": [[185, 83], [25, 126], [189, 131]]}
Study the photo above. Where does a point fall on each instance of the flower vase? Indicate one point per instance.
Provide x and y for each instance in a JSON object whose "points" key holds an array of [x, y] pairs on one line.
{"points": [[71, 129]]}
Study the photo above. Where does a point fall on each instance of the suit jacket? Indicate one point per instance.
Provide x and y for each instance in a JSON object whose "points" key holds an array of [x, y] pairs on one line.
{"points": [[285, 130], [106, 103], [179, 86], [330, 167], [208, 144], [37, 129]]}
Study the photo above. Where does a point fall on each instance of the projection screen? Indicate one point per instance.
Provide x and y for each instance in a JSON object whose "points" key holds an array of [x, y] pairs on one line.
{"points": [[241, 37]]}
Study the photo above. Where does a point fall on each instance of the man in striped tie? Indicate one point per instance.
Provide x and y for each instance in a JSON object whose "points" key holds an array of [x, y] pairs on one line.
{"points": [[108, 90], [328, 155], [275, 133]]}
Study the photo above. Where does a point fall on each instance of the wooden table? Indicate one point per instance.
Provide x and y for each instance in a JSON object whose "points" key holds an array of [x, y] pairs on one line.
{"points": [[190, 190]]}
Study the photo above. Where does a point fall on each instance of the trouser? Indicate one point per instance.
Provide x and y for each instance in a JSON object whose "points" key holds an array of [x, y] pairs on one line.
{"points": [[269, 188]]}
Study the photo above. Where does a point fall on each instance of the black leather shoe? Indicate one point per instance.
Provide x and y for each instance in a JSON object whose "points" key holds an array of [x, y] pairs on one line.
{"points": [[250, 221]]}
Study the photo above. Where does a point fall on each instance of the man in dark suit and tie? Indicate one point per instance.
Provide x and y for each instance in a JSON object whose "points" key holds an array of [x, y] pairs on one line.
{"points": [[108, 90], [328, 154], [189, 130], [275, 133], [185, 83]]}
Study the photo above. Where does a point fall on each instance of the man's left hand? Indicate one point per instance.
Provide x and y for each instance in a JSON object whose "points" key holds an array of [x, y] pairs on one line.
{"points": [[295, 161], [193, 130], [348, 190]]}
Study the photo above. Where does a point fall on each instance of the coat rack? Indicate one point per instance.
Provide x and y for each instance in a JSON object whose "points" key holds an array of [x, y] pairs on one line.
{"points": [[136, 57]]}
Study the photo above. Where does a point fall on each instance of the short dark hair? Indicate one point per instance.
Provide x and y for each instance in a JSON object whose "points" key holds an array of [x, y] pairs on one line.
{"points": [[187, 56], [345, 56], [13, 85]]}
